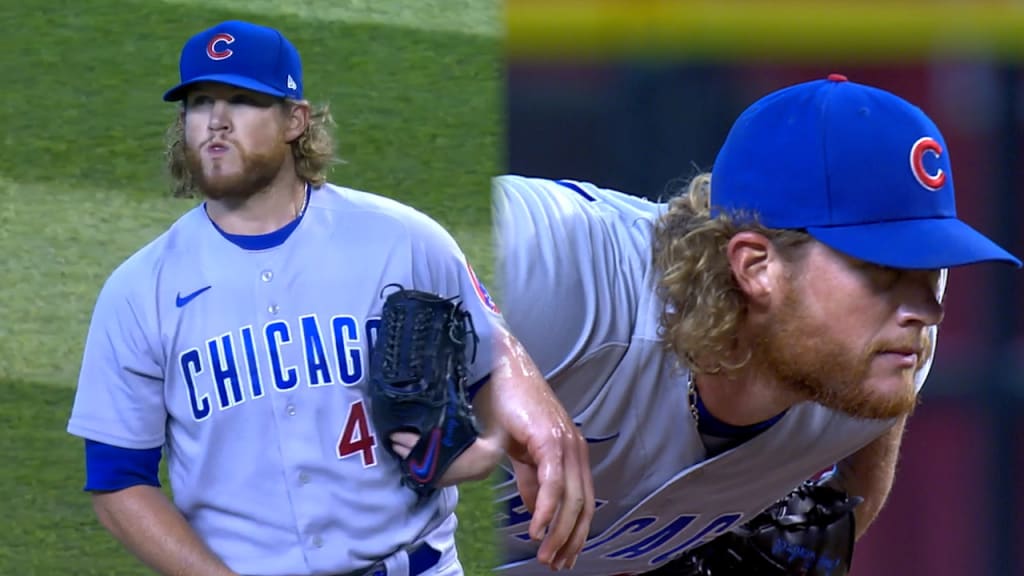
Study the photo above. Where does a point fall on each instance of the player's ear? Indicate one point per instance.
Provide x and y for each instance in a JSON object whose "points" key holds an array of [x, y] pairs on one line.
{"points": [[755, 265], [296, 116]]}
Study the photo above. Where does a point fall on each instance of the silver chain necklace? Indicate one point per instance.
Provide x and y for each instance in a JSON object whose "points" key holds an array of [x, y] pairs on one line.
{"points": [[691, 392]]}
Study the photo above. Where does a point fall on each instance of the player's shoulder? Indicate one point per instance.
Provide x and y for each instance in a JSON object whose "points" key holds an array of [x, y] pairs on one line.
{"points": [[338, 197], [144, 266], [389, 212], [583, 195], [522, 180], [584, 190]]}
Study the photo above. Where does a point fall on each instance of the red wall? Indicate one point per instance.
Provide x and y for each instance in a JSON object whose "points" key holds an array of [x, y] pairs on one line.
{"points": [[935, 522]]}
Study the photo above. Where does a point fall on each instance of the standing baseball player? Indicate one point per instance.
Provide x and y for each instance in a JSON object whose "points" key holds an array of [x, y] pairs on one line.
{"points": [[238, 343], [720, 349]]}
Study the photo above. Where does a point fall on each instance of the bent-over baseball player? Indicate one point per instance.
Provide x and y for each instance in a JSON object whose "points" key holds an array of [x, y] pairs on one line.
{"points": [[721, 350]]}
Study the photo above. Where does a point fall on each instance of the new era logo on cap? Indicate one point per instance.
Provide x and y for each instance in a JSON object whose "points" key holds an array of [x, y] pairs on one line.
{"points": [[240, 54]]}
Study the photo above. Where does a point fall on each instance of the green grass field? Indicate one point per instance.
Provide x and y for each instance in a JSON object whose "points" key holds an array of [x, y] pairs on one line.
{"points": [[414, 86]]}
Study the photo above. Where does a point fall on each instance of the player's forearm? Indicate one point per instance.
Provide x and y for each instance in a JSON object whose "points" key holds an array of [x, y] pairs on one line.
{"points": [[503, 408], [485, 408], [869, 473], [518, 384], [149, 526]]}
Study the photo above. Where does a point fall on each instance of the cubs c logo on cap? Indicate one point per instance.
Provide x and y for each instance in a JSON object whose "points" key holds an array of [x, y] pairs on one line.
{"points": [[214, 53], [924, 146]]}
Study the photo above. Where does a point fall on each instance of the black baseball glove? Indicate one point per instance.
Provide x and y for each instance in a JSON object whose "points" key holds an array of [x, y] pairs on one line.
{"points": [[418, 376], [810, 532]]}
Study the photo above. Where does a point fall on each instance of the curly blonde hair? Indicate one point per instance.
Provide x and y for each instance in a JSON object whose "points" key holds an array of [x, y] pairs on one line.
{"points": [[703, 304], [314, 151]]}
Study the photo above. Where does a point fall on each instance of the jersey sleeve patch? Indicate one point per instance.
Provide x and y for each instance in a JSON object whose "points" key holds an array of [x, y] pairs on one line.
{"points": [[481, 291]]}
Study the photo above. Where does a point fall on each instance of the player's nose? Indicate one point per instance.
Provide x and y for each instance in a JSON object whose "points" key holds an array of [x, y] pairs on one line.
{"points": [[919, 302], [219, 116]]}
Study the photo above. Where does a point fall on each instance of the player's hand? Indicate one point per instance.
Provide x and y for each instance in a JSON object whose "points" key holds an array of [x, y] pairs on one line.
{"points": [[552, 467], [549, 457], [477, 462]]}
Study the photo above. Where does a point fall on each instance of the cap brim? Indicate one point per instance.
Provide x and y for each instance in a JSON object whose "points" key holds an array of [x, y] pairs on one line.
{"points": [[915, 244], [179, 91]]}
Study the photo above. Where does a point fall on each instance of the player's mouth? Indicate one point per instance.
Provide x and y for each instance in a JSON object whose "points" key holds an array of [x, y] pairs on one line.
{"points": [[217, 149], [904, 357]]}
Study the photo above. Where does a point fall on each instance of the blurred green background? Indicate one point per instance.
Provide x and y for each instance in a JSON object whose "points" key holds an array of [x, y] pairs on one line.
{"points": [[415, 87], [638, 96]]}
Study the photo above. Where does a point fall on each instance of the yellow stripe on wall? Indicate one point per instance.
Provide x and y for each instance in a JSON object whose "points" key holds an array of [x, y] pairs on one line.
{"points": [[782, 30]]}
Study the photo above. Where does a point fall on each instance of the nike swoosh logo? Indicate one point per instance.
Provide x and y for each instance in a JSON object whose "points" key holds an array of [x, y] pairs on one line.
{"points": [[423, 470], [181, 301]]}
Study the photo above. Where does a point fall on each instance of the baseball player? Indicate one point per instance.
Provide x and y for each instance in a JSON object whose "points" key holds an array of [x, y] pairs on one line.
{"points": [[719, 349], [237, 345]]}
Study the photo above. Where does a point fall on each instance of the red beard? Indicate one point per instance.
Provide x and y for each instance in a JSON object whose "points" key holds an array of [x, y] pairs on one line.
{"points": [[258, 171], [802, 355]]}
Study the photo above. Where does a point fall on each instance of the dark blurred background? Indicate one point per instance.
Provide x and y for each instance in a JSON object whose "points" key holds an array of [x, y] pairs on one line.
{"points": [[638, 96]]}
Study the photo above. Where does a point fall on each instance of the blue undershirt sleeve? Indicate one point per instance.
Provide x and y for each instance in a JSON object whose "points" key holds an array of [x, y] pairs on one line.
{"points": [[109, 468]]}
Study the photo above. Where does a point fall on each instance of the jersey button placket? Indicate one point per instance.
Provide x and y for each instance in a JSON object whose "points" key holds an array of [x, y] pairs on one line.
{"points": [[266, 276]]}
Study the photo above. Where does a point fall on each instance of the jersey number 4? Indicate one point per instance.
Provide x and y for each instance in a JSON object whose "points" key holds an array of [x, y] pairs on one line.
{"points": [[356, 437]]}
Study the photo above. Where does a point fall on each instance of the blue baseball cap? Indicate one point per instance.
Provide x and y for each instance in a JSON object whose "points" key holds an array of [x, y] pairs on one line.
{"points": [[241, 54], [860, 169]]}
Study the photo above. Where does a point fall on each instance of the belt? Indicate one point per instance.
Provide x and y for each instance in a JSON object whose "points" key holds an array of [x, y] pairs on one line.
{"points": [[421, 559]]}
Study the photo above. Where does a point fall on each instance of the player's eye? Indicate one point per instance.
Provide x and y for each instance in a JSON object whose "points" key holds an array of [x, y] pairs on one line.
{"points": [[245, 99], [882, 277], [885, 276], [199, 100]]}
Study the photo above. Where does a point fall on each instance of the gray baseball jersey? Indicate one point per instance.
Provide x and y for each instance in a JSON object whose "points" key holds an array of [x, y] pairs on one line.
{"points": [[578, 289], [249, 365]]}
